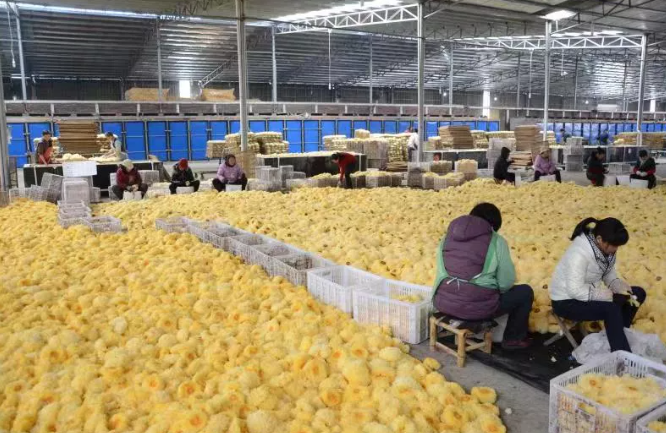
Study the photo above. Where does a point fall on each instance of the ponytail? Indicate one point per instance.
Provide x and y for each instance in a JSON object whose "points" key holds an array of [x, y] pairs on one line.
{"points": [[582, 227], [611, 230]]}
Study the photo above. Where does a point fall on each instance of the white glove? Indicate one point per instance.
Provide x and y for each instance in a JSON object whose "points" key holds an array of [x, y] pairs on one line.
{"points": [[642, 173], [599, 293], [187, 183], [620, 287]]}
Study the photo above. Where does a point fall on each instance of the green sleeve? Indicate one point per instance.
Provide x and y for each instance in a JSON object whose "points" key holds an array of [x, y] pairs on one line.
{"points": [[506, 273]]}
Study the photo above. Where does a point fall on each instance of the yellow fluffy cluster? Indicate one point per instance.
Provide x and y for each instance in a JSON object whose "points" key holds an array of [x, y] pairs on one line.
{"points": [[153, 332], [657, 427], [412, 299], [625, 394], [395, 232]]}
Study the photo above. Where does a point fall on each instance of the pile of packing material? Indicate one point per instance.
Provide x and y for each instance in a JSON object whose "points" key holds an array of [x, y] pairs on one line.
{"points": [[215, 149], [137, 94], [234, 141], [415, 172], [500, 134], [521, 159], [218, 95], [397, 166], [103, 143], [72, 157], [550, 138], [428, 180], [332, 142], [480, 139], [468, 167], [527, 137], [460, 137], [441, 167], [454, 179], [375, 148], [397, 151], [79, 137], [433, 143], [626, 139], [361, 133], [651, 140], [271, 142]]}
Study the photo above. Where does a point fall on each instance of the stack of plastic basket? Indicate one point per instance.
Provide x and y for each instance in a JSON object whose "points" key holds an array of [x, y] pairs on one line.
{"points": [[647, 423], [173, 225], [573, 154], [296, 266], [266, 255], [149, 177], [242, 245], [334, 286], [415, 172], [52, 183], [75, 189], [72, 213], [103, 224], [214, 233], [17, 193], [377, 180], [37, 193], [570, 412]]}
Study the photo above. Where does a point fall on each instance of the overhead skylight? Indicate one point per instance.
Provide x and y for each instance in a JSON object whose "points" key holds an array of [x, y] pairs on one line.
{"points": [[339, 10], [561, 14]]}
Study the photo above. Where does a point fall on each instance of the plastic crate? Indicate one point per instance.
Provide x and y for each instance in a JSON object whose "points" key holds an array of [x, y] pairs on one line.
{"points": [[71, 204], [484, 172], [112, 179], [4, 198], [570, 412], [334, 286], [421, 167], [173, 225], [428, 182], [233, 188], [213, 233], [37, 193], [377, 181], [295, 183], [295, 267], [68, 222], [297, 175], [17, 193], [243, 245], [103, 224], [95, 195], [439, 183], [378, 306], [270, 174], [185, 190], [264, 255], [149, 177], [655, 415], [396, 179], [619, 168], [286, 172], [76, 190], [638, 183], [359, 182], [74, 212], [52, 182]]}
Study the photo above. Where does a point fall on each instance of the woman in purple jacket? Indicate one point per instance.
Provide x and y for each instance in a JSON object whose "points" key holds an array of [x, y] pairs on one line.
{"points": [[543, 166], [229, 173]]}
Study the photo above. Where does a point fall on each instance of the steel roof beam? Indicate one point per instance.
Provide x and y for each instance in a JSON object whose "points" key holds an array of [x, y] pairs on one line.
{"points": [[558, 43]]}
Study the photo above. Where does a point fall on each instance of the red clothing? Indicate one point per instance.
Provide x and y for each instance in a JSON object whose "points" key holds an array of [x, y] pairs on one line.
{"points": [[345, 160], [125, 179]]}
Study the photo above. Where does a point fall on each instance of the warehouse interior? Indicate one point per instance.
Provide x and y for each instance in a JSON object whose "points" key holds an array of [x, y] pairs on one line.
{"points": [[306, 301]]}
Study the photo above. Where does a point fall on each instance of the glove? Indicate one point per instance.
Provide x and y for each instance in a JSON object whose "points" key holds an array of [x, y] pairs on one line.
{"points": [[642, 173], [135, 188], [598, 293], [187, 183], [620, 287]]}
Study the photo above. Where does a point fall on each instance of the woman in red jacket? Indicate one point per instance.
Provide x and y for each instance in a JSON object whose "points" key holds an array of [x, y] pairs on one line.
{"points": [[347, 164]]}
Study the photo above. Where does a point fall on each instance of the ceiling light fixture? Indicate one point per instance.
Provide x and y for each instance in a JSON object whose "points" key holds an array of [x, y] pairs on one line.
{"points": [[561, 14]]}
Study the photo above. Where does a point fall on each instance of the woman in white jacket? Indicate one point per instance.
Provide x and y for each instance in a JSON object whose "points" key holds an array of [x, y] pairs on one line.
{"points": [[585, 286]]}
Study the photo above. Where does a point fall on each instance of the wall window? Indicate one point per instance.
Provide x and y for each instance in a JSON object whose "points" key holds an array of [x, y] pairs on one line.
{"points": [[185, 89]]}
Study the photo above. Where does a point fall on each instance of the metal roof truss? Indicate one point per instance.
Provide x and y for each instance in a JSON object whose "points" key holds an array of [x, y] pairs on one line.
{"points": [[557, 43]]}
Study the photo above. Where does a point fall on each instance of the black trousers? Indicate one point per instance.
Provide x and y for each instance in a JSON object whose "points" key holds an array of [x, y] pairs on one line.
{"points": [[120, 193], [175, 185], [597, 179], [351, 168], [510, 177], [652, 180], [222, 186], [616, 315], [517, 303], [558, 176]]}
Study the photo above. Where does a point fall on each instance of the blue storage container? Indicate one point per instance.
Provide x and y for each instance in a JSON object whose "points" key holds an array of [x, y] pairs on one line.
{"points": [[234, 127], [294, 135], [157, 140], [390, 127], [360, 124], [494, 126], [198, 139], [376, 126], [35, 131], [178, 140], [257, 126], [135, 140], [345, 128], [431, 129]]}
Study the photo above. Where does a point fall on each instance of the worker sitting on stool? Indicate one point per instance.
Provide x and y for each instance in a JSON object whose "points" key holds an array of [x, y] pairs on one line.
{"points": [[45, 149], [128, 179], [645, 169], [501, 169], [475, 275], [585, 286], [596, 171], [543, 166], [347, 164], [182, 177], [229, 173]]}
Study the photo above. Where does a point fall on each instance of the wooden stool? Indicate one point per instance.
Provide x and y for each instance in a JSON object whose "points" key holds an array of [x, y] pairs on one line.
{"points": [[565, 331], [463, 330]]}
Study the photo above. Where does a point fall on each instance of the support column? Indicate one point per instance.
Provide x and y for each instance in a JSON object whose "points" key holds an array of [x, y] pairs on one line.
{"points": [[242, 71], [575, 101], [546, 90], [641, 90], [160, 83], [518, 85], [370, 88], [421, 79], [274, 66], [451, 81], [624, 87], [4, 140], [24, 91]]}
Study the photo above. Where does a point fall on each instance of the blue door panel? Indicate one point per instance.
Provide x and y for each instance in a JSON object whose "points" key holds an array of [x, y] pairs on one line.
{"points": [[218, 130], [135, 140], [312, 137], [276, 126], [294, 131], [327, 127], [586, 131], [390, 126], [444, 124], [431, 129], [376, 126], [482, 125], [198, 139], [115, 127], [403, 126], [17, 147], [360, 124], [234, 127], [178, 140], [257, 126], [35, 132], [494, 126], [157, 140], [345, 128]]}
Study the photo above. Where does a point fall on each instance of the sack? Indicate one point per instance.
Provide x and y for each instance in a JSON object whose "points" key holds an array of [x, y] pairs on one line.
{"points": [[646, 345]]}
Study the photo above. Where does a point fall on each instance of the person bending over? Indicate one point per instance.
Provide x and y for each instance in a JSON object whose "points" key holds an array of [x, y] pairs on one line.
{"points": [[596, 171], [476, 277], [128, 179], [347, 164], [182, 176], [543, 166], [229, 173], [501, 169], [645, 169], [585, 286]]}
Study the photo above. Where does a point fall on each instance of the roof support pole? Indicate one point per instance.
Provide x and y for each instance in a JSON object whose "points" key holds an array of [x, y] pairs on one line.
{"points": [[24, 91], [242, 71], [641, 90], [370, 74], [274, 58], [4, 142], [421, 79], [575, 98], [451, 81], [518, 85], [546, 89], [624, 87], [160, 84]]}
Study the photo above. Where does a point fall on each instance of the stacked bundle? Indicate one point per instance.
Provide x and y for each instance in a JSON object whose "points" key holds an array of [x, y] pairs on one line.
{"points": [[626, 139], [358, 179], [268, 140], [480, 139], [428, 180], [454, 179], [652, 140], [459, 137], [79, 137], [527, 138], [468, 167], [73, 157], [396, 166], [377, 151], [521, 159], [215, 149], [377, 179], [441, 167], [361, 133], [573, 154], [218, 95], [146, 94], [103, 143], [234, 142], [433, 143], [504, 135], [550, 138], [72, 213], [398, 147], [415, 171], [331, 142], [277, 147]]}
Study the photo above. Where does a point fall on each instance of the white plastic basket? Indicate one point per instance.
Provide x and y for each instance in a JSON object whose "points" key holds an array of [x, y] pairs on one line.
{"points": [[37, 193], [549, 178], [334, 286], [570, 412], [233, 188], [103, 224], [297, 175], [185, 190], [428, 182], [619, 168], [112, 179], [377, 181], [610, 180], [408, 321], [624, 180], [149, 177], [270, 174], [95, 195], [173, 225], [17, 193], [214, 233], [243, 245], [638, 184], [132, 196], [295, 183], [295, 267], [74, 212], [655, 415], [76, 190], [264, 255], [71, 204], [68, 222]]}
